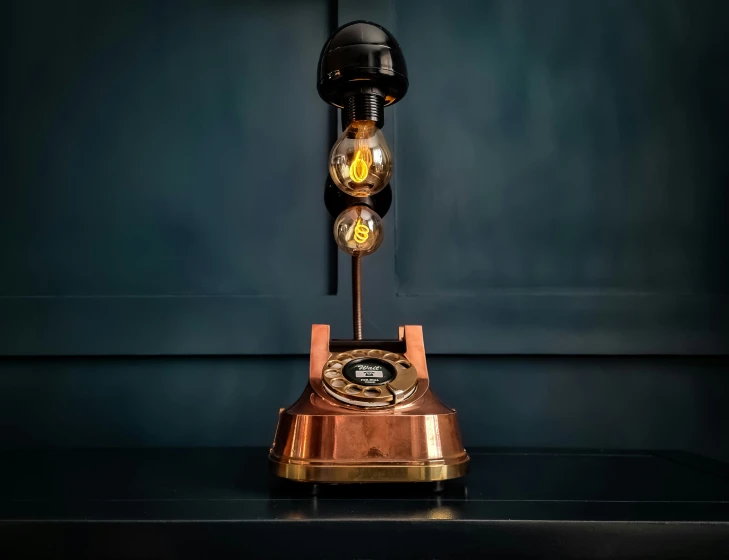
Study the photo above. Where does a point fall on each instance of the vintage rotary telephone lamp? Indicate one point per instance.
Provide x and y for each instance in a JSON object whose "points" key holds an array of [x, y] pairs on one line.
{"points": [[367, 414]]}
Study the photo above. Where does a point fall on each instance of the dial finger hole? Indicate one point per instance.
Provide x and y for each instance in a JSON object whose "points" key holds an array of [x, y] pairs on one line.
{"points": [[344, 356], [359, 353], [376, 353], [338, 383], [404, 363], [333, 364], [392, 357], [353, 390], [332, 373], [372, 392]]}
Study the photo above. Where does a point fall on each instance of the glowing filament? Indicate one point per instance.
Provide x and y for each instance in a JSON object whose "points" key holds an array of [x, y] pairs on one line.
{"points": [[361, 231], [360, 167]]}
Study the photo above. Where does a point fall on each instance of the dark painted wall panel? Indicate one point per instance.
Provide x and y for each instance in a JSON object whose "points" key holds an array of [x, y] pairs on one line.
{"points": [[163, 148], [558, 187], [674, 403], [563, 146]]}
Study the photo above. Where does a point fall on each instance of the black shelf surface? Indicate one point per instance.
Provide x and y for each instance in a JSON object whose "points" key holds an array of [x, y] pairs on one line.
{"points": [[222, 502]]}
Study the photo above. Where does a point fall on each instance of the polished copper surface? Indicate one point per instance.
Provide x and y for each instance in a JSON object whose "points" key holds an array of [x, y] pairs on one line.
{"points": [[320, 439]]}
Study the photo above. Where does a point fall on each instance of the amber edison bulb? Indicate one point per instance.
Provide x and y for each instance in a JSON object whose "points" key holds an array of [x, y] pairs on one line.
{"points": [[360, 162], [358, 230]]}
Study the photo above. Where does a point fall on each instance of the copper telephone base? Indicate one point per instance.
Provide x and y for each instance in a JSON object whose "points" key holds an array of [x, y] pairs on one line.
{"points": [[356, 423]]}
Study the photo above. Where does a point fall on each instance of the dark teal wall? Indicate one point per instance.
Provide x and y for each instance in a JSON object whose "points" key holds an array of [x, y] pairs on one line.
{"points": [[591, 141], [558, 225], [667, 403]]}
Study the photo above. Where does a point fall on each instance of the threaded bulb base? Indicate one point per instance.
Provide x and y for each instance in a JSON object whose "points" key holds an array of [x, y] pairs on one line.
{"points": [[364, 107]]}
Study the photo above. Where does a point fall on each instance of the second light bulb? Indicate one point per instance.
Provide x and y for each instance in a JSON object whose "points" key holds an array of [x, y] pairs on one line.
{"points": [[358, 230]]}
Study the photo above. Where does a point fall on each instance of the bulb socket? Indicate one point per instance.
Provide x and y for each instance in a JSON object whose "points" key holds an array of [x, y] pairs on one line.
{"points": [[360, 57], [364, 107]]}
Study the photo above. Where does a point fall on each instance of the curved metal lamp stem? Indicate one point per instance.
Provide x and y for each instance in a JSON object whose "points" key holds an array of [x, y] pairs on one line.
{"points": [[357, 296]]}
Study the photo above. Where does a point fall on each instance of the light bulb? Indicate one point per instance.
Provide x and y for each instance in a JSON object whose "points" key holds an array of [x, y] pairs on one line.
{"points": [[358, 230], [361, 163]]}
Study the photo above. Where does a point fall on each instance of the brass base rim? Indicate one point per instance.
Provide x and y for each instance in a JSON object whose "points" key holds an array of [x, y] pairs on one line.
{"points": [[370, 472]]}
